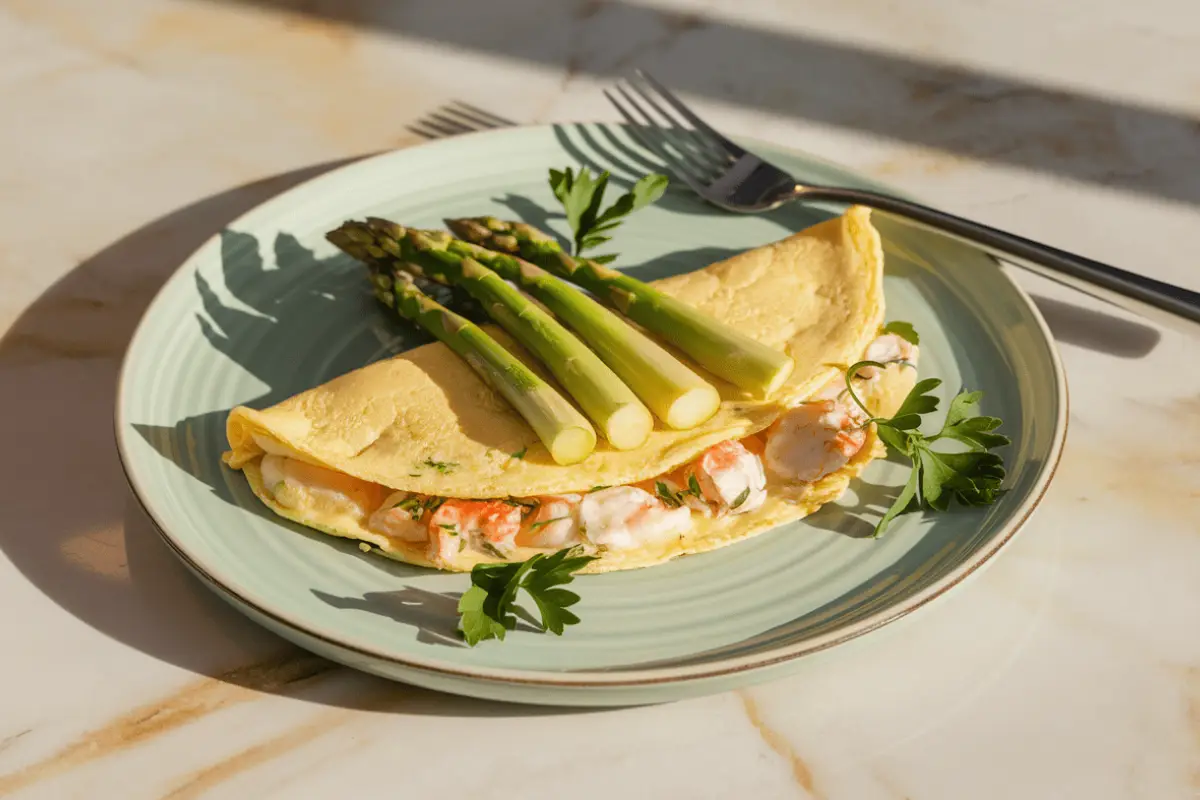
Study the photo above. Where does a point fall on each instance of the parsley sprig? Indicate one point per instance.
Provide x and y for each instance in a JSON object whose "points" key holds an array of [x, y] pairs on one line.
{"points": [[486, 609], [973, 476], [582, 195]]}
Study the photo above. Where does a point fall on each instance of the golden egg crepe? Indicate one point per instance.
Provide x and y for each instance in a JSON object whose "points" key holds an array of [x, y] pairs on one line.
{"points": [[424, 422]]}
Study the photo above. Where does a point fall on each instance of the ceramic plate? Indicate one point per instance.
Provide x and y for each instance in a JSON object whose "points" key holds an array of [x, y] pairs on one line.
{"points": [[268, 308]]}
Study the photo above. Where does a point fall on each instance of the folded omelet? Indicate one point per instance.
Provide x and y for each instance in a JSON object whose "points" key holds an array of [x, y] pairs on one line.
{"points": [[424, 423]]}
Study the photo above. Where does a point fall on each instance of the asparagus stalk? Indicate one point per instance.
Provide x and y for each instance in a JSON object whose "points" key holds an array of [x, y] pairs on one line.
{"points": [[615, 409], [720, 349], [562, 429], [676, 394]]}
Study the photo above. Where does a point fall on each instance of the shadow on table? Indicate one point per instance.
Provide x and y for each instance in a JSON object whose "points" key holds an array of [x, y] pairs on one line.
{"points": [[71, 526], [1096, 330]]}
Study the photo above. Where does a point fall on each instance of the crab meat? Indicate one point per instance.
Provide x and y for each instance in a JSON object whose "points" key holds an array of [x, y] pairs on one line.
{"points": [[298, 484], [488, 525], [626, 516], [555, 524], [400, 518], [814, 439], [730, 477]]}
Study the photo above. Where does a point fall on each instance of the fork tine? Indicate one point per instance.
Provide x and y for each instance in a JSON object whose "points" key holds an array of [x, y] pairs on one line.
{"points": [[690, 115], [700, 171], [708, 149]]}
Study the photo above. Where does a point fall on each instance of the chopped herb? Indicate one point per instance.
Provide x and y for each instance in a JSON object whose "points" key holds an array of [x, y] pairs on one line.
{"points": [[444, 467], [485, 610], [462, 544], [693, 486], [741, 498], [491, 549], [546, 522], [599, 487], [516, 501], [666, 495], [521, 453], [434, 503], [449, 527]]}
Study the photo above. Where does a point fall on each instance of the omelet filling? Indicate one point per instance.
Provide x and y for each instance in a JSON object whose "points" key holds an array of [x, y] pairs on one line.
{"points": [[809, 441]]}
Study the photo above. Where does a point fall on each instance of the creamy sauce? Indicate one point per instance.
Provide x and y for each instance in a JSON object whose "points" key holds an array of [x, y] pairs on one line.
{"points": [[626, 516], [731, 478]]}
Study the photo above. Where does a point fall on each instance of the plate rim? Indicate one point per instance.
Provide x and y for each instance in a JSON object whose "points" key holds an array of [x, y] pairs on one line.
{"points": [[596, 678]]}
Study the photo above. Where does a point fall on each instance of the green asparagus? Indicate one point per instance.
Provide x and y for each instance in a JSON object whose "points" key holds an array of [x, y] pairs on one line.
{"points": [[725, 352], [676, 394], [562, 429], [617, 412]]}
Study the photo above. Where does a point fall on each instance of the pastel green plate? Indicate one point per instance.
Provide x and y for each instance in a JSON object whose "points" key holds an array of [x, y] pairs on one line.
{"points": [[268, 308]]}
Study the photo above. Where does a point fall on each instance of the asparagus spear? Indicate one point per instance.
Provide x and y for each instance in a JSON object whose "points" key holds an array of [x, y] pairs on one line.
{"points": [[565, 432], [725, 352], [676, 394], [616, 410]]}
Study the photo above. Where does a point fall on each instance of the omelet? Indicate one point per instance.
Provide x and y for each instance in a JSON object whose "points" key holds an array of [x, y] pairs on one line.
{"points": [[419, 459]]}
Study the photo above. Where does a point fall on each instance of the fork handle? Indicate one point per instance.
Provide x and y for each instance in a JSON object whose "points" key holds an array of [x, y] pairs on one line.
{"points": [[1166, 303]]}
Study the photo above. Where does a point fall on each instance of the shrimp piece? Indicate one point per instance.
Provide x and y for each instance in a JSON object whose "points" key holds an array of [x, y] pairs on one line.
{"points": [[400, 518], [814, 439], [488, 525], [626, 516], [298, 484], [730, 478], [555, 523]]}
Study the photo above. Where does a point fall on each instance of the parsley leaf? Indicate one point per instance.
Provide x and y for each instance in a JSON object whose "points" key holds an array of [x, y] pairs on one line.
{"points": [[973, 477], [582, 195], [904, 330], [521, 453], [485, 610]]}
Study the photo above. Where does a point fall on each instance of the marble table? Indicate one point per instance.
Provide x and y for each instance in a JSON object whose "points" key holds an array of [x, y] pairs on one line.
{"points": [[133, 129]]}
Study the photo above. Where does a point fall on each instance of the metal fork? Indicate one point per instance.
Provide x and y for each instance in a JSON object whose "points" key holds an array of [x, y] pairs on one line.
{"points": [[728, 176]]}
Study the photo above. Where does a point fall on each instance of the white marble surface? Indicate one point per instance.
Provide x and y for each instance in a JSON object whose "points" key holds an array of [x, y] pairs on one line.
{"points": [[134, 128]]}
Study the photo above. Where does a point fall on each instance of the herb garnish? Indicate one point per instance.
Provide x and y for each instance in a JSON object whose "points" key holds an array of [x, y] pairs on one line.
{"points": [[741, 498], [904, 330], [546, 522], [666, 495], [973, 476], [485, 610], [444, 467], [598, 487], [581, 196], [491, 548], [521, 453], [450, 527]]}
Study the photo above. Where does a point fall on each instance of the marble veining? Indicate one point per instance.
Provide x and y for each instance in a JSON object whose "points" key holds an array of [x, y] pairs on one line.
{"points": [[1069, 668]]}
